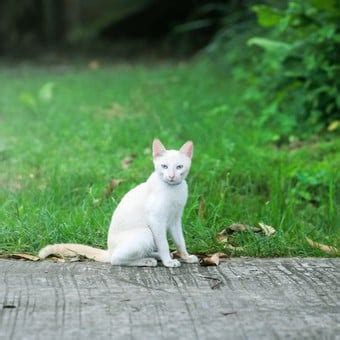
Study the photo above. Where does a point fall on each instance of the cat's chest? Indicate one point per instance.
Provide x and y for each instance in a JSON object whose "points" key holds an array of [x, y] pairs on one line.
{"points": [[173, 203], [169, 202], [172, 199]]}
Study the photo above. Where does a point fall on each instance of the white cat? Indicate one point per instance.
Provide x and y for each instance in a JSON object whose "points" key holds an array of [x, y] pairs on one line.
{"points": [[139, 225]]}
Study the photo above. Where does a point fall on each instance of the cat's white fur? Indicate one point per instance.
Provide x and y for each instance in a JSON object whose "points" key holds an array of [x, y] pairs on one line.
{"points": [[139, 225]]}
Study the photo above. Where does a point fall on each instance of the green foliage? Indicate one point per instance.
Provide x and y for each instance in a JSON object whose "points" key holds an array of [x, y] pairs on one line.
{"points": [[267, 16], [64, 135], [299, 69]]}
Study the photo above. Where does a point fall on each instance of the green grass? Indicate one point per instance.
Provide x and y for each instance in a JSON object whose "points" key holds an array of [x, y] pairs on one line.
{"points": [[61, 144]]}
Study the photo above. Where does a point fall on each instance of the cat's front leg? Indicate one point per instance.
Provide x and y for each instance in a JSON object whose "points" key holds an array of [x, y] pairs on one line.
{"points": [[176, 233], [159, 234]]}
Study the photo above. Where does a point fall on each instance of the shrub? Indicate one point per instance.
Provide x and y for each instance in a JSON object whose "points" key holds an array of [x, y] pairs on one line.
{"points": [[298, 69]]}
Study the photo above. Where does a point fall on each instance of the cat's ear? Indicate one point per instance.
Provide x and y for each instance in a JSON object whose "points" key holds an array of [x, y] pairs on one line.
{"points": [[187, 149], [157, 148]]}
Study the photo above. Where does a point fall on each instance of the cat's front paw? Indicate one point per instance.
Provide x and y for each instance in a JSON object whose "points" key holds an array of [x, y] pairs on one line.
{"points": [[172, 263], [190, 259]]}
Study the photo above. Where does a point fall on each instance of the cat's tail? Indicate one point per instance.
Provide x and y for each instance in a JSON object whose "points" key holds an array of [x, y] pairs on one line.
{"points": [[72, 250]]}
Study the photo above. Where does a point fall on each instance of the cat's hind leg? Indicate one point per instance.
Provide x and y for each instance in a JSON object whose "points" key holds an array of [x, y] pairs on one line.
{"points": [[134, 249]]}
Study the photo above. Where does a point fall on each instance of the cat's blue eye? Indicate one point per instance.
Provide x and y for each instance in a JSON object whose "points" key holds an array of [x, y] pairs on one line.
{"points": [[164, 166], [179, 167]]}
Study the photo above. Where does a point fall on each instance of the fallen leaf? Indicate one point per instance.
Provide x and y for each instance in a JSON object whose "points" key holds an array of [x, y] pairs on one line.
{"points": [[115, 110], [326, 248], [233, 248], [334, 125], [147, 151], [221, 255], [224, 237], [20, 256], [201, 209], [93, 64], [126, 162], [213, 260], [46, 92], [295, 144], [267, 229], [239, 227], [175, 254], [111, 186], [11, 184], [28, 100]]}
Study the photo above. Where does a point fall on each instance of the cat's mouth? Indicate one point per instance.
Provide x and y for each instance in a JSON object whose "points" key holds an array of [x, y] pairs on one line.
{"points": [[173, 182]]}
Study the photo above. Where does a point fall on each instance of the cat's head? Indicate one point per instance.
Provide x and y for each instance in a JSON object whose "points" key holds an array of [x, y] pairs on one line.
{"points": [[172, 166]]}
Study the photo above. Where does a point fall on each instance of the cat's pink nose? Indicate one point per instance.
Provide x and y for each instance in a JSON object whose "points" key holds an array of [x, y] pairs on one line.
{"points": [[171, 176]]}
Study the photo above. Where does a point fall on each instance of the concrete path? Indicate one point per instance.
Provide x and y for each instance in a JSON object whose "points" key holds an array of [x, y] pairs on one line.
{"points": [[240, 299]]}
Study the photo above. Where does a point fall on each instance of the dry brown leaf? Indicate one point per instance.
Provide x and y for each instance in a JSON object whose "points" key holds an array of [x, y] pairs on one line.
{"points": [[326, 248], [126, 162], [239, 227], [213, 260], [233, 228], [115, 110], [11, 184], [111, 186], [267, 229], [233, 248], [201, 209], [225, 235], [220, 255], [93, 64], [21, 256], [175, 254], [222, 237], [295, 144]]}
